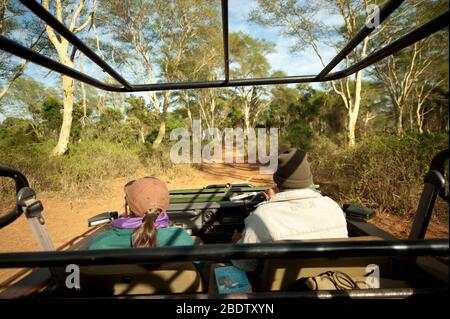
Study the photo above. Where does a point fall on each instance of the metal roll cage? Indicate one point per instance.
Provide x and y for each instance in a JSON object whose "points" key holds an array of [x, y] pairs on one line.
{"points": [[413, 247], [17, 49]]}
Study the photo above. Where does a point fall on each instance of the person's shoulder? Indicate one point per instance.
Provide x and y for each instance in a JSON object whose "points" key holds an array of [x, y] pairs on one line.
{"points": [[111, 238], [173, 230], [331, 202], [174, 236]]}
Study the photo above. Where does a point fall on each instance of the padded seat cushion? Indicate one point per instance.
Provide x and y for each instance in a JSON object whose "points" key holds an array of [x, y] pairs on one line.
{"points": [[279, 274], [140, 279]]}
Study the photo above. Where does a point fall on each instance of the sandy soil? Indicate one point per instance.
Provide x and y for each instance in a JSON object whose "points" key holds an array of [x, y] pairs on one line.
{"points": [[66, 217]]}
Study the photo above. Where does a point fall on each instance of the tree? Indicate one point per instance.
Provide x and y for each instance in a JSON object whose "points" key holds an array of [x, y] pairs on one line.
{"points": [[156, 35], [26, 99], [62, 48], [248, 58], [298, 20], [408, 75], [32, 36], [283, 106], [204, 62], [139, 115]]}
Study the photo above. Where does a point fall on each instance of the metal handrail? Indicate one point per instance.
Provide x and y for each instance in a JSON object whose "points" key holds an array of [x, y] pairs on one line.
{"points": [[278, 250]]}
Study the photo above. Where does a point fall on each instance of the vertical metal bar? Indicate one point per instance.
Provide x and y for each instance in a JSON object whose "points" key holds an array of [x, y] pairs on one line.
{"points": [[40, 233], [434, 182], [385, 11], [48, 18], [225, 39]]}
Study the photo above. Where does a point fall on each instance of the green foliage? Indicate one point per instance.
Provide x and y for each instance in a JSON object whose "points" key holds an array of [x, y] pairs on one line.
{"points": [[85, 167], [52, 113], [157, 161], [249, 55], [301, 136], [384, 172], [16, 131], [111, 127], [88, 166]]}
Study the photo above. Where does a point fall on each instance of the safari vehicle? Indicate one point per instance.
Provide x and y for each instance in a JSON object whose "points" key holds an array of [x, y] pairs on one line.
{"points": [[412, 268]]}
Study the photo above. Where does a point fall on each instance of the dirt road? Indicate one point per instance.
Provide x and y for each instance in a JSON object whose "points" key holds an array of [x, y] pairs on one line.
{"points": [[66, 217]]}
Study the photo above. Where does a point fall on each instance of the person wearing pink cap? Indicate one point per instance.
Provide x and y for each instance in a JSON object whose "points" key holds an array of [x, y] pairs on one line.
{"points": [[146, 223]]}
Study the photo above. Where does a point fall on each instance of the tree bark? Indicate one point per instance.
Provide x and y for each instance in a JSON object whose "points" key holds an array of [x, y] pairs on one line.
{"points": [[161, 132], [142, 134], [354, 109], [83, 94], [64, 134], [399, 124], [62, 46]]}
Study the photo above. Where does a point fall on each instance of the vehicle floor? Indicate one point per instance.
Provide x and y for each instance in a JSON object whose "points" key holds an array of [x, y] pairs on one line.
{"points": [[66, 216]]}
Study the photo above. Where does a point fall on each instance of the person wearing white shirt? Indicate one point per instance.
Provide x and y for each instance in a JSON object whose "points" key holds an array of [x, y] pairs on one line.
{"points": [[294, 212]]}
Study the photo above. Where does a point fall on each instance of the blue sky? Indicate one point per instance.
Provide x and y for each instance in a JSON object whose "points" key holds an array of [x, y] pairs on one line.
{"points": [[299, 63]]}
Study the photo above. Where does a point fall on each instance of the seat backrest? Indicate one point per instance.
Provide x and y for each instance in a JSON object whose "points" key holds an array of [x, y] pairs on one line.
{"points": [[279, 274], [140, 279]]}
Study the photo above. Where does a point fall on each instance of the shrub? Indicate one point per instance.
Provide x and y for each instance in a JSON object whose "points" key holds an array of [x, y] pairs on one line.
{"points": [[383, 172], [157, 162], [84, 167]]}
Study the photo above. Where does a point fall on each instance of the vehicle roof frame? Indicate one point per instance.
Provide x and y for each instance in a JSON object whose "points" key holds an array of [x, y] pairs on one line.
{"points": [[17, 49], [216, 251]]}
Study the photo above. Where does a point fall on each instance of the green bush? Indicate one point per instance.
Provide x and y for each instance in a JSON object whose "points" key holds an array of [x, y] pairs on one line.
{"points": [[383, 172], [87, 165], [302, 136], [157, 162], [84, 167]]}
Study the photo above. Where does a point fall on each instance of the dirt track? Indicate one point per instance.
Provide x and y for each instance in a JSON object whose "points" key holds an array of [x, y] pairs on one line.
{"points": [[67, 217]]}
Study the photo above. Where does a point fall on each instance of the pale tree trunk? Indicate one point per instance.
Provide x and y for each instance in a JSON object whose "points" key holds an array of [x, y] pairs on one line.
{"points": [[162, 121], [246, 116], [352, 100], [83, 94], [204, 110], [421, 96], [419, 111], [354, 109], [189, 113], [142, 134], [411, 120], [185, 99], [399, 124], [64, 133], [246, 101], [367, 118], [400, 87], [161, 132], [419, 119], [212, 110], [61, 45], [256, 107], [207, 104]]}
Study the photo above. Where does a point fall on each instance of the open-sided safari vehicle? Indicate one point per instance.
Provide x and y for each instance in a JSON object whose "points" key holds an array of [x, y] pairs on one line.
{"points": [[399, 268]]}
